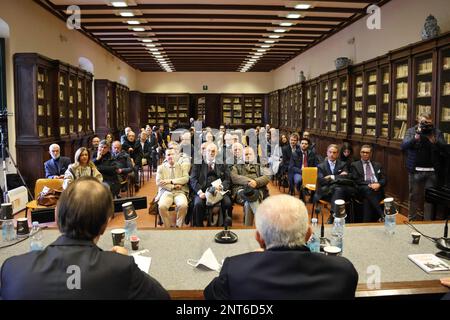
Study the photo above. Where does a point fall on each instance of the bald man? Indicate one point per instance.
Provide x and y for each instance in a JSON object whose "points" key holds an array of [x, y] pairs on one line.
{"points": [[284, 268]]}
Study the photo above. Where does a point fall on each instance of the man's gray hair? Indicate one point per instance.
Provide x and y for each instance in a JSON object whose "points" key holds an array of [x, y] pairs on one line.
{"points": [[282, 221]]}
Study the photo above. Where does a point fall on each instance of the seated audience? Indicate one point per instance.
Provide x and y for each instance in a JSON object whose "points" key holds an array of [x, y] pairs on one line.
{"points": [[82, 167], [370, 181], [172, 180], [83, 212], [125, 167], [285, 268], [57, 165], [123, 138], [346, 154], [287, 151], [312, 145], [129, 145], [142, 151], [107, 167], [333, 180], [238, 152], [109, 138], [202, 176], [94, 146], [249, 184], [301, 158]]}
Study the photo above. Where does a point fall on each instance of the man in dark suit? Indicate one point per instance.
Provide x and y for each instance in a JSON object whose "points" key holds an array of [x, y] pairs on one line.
{"points": [[332, 178], [57, 165], [285, 268], [202, 175], [73, 267], [142, 150], [370, 181], [286, 152], [108, 167], [301, 158]]}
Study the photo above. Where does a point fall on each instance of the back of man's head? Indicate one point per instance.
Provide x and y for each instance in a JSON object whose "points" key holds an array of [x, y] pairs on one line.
{"points": [[282, 221], [84, 209]]}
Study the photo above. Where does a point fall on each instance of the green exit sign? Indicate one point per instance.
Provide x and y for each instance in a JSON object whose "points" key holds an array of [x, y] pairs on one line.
{"points": [[205, 87]]}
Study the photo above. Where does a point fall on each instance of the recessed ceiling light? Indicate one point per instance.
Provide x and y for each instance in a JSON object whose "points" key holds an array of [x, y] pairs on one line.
{"points": [[119, 4], [259, 54], [127, 14], [133, 22], [269, 41], [138, 29], [293, 16], [274, 36], [151, 45], [154, 49], [155, 53], [147, 40], [261, 50], [302, 6], [286, 24], [279, 30], [265, 46]]}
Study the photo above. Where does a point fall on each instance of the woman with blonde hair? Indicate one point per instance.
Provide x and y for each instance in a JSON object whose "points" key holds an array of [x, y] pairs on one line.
{"points": [[82, 167]]}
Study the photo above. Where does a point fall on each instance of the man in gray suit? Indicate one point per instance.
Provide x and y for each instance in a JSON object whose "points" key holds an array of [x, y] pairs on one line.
{"points": [[83, 212]]}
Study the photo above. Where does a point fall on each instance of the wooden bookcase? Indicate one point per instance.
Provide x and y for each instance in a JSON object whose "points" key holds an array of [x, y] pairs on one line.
{"points": [[53, 105]]}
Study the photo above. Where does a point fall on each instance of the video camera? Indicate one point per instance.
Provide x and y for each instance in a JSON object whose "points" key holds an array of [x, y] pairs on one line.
{"points": [[425, 128]]}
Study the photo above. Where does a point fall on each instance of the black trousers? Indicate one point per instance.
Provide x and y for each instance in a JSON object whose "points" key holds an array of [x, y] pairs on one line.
{"points": [[371, 203], [199, 210]]}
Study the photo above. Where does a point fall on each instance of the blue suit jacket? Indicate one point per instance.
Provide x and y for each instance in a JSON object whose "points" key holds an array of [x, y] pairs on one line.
{"points": [[56, 168]]}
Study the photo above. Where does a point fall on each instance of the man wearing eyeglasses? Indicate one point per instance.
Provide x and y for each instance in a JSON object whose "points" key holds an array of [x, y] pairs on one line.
{"points": [[370, 180]]}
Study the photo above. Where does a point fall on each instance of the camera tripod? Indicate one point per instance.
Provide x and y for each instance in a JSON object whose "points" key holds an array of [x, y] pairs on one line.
{"points": [[4, 151]]}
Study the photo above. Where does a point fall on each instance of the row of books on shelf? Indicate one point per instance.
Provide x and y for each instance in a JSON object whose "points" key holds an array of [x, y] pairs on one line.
{"points": [[402, 90], [359, 80], [446, 63], [424, 89], [386, 78], [425, 67], [445, 116], [446, 89], [399, 132], [447, 137], [423, 109], [384, 132], [228, 100], [370, 131], [386, 98], [372, 108], [372, 90], [373, 77], [401, 111], [402, 71]]}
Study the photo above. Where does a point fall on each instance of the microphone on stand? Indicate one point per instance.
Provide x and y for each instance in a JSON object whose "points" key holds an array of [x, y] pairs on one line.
{"points": [[226, 236], [323, 241]]}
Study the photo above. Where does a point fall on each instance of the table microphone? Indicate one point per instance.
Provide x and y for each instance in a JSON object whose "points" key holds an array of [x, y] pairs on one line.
{"points": [[226, 236], [323, 241]]}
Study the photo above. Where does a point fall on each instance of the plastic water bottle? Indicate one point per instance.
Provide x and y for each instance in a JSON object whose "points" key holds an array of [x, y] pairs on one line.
{"points": [[389, 223], [390, 214], [314, 241], [337, 233], [8, 232], [36, 238], [130, 228]]}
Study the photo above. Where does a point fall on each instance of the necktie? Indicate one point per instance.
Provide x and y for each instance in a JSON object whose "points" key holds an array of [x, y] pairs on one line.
{"points": [[210, 167], [369, 173], [305, 160], [332, 165], [172, 173]]}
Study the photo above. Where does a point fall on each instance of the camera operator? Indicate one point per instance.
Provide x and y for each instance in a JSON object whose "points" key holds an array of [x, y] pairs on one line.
{"points": [[423, 144]]}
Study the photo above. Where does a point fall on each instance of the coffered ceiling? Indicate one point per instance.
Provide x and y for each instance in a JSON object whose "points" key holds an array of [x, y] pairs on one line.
{"points": [[210, 35]]}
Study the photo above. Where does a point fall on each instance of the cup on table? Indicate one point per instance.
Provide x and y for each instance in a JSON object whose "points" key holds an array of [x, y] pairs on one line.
{"points": [[332, 250], [415, 237], [22, 227], [118, 237], [134, 242]]}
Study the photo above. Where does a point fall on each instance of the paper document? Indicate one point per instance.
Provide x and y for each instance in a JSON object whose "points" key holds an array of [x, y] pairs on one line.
{"points": [[429, 263], [217, 183], [142, 262]]}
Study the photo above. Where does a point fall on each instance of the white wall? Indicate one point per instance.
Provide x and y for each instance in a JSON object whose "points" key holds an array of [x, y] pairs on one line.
{"points": [[401, 24], [192, 82]]}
